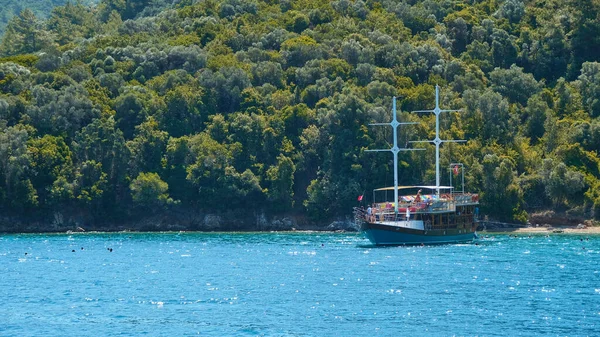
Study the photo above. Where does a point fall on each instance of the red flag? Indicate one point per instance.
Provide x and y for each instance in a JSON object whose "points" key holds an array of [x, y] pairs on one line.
{"points": [[455, 169], [360, 198]]}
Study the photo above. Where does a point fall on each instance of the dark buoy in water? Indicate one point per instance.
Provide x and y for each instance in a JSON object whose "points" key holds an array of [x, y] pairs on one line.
{"points": [[73, 251]]}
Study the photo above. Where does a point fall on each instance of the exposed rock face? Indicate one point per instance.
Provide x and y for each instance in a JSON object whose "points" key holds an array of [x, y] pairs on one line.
{"points": [[496, 225], [556, 219], [212, 222], [345, 225]]}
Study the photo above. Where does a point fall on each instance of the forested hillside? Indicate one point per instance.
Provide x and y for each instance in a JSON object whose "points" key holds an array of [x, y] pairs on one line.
{"points": [[131, 108]]}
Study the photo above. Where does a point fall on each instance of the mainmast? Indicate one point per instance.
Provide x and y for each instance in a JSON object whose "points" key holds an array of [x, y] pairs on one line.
{"points": [[437, 141], [395, 149]]}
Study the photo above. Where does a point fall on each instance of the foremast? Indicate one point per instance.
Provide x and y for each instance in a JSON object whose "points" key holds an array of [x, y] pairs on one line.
{"points": [[395, 149]]}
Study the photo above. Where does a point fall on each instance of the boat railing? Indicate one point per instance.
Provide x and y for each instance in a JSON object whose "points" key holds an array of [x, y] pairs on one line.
{"points": [[360, 214], [442, 206], [438, 206], [466, 198]]}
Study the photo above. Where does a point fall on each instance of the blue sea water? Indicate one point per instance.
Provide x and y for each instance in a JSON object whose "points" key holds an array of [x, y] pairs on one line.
{"points": [[296, 284]]}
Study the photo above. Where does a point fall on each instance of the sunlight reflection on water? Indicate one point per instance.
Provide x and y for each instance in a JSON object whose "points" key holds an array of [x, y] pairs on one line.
{"points": [[301, 284]]}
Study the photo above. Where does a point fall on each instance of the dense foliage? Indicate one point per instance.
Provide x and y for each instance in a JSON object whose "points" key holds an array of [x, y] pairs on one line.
{"points": [[135, 106], [41, 8]]}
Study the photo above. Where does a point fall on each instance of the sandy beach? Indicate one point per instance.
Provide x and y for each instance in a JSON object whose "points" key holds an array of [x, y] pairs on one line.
{"points": [[548, 230]]}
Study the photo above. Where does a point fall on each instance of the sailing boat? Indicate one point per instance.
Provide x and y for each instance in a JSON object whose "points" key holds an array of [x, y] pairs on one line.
{"points": [[438, 215]]}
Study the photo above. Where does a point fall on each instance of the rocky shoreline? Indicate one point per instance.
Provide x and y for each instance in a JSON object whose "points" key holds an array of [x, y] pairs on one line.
{"points": [[258, 221], [175, 220]]}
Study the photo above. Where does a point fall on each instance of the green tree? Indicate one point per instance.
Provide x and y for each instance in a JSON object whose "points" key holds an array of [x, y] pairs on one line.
{"points": [[503, 48], [590, 87], [585, 33], [147, 148], [15, 162], [568, 99], [132, 107], [61, 112], [512, 10], [72, 21], [494, 110], [501, 193], [185, 111], [459, 33], [107, 7], [281, 182], [561, 183], [536, 112], [548, 54], [51, 159], [177, 158], [247, 131], [298, 50], [90, 185], [101, 145], [211, 159], [149, 191], [24, 34], [514, 84]]}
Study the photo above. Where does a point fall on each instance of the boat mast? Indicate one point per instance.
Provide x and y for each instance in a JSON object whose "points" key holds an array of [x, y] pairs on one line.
{"points": [[437, 141], [395, 149]]}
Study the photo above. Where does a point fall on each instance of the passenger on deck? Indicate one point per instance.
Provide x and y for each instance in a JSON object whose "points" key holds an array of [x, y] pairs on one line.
{"points": [[418, 197]]}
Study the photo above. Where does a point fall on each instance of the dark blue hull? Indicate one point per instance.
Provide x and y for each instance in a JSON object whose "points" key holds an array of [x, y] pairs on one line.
{"points": [[382, 235]]}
